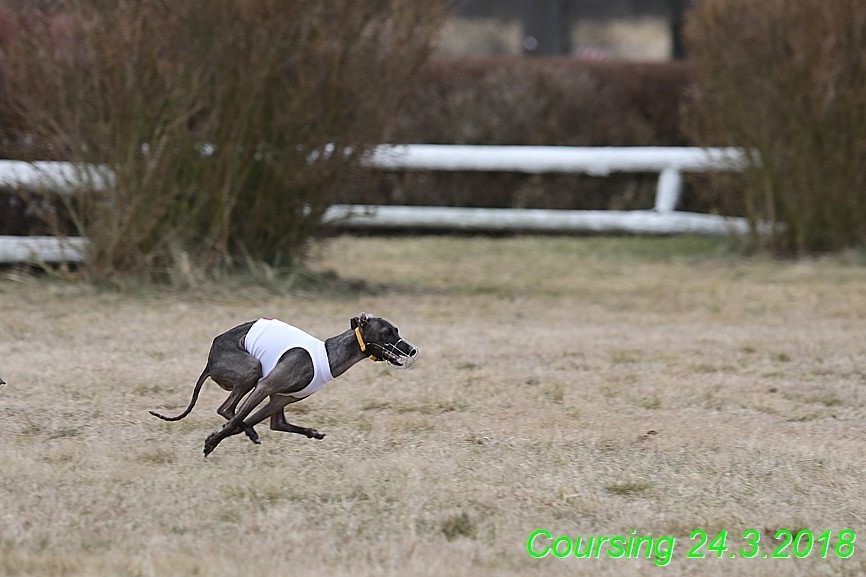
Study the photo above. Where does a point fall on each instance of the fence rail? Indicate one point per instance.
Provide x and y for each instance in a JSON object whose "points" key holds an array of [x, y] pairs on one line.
{"points": [[669, 163]]}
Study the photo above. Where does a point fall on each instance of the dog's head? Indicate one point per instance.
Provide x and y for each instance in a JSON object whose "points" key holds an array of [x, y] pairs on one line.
{"points": [[382, 341]]}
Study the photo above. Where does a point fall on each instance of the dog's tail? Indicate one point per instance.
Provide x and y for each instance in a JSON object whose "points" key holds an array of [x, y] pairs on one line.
{"points": [[204, 375]]}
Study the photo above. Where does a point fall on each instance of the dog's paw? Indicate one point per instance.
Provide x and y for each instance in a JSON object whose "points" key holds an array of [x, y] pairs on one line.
{"points": [[253, 436], [314, 434], [211, 443]]}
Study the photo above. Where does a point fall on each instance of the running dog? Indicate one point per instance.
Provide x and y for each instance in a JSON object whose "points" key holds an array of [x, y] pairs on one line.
{"points": [[269, 358]]}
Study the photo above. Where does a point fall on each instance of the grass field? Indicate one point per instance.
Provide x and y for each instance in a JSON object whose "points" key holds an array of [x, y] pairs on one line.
{"points": [[586, 386]]}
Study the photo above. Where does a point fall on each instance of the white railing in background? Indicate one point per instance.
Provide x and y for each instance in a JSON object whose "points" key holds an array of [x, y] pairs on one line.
{"points": [[52, 175], [42, 249], [669, 163]]}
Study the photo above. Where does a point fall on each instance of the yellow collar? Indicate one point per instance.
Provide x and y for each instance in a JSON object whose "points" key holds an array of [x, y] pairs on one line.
{"points": [[362, 344]]}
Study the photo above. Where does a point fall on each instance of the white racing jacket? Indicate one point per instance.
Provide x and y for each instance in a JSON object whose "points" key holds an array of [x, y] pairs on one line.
{"points": [[268, 339]]}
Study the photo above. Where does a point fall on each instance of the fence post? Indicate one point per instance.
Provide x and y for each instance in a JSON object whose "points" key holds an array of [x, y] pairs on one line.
{"points": [[668, 190]]}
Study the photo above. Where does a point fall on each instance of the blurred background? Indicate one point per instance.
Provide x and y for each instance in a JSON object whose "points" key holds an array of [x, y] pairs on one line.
{"points": [[587, 29], [290, 99]]}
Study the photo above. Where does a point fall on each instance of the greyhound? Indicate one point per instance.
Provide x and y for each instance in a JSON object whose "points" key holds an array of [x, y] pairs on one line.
{"points": [[273, 359]]}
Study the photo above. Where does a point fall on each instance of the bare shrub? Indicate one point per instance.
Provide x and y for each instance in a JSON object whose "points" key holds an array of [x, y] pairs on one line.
{"points": [[228, 126], [786, 78]]}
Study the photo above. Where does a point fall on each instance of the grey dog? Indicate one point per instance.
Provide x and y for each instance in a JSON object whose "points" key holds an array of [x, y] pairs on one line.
{"points": [[292, 371]]}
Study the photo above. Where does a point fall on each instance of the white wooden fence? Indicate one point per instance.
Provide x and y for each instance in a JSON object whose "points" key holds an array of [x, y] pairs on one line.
{"points": [[669, 163]]}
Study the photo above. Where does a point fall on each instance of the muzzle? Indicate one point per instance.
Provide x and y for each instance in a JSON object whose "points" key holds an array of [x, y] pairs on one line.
{"points": [[402, 354]]}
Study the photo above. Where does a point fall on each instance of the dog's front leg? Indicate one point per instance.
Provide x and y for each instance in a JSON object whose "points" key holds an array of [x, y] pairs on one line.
{"points": [[275, 409], [279, 423]]}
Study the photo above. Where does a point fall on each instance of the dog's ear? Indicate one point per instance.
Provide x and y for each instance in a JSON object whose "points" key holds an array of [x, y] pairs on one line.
{"points": [[360, 320]]}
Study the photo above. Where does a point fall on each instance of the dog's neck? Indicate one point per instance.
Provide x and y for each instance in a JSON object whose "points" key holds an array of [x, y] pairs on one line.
{"points": [[343, 352]]}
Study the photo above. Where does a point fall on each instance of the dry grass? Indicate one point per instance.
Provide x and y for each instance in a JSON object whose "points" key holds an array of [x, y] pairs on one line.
{"points": [[586, 386]]}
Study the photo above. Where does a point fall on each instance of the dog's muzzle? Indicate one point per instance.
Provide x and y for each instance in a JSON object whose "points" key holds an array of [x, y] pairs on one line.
{"points": [[401, 354]]}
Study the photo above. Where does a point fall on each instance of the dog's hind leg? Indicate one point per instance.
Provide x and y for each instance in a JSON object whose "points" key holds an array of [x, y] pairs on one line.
{"points": [[236, 424], [292, 373], [240, 379], [235, 370]]}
